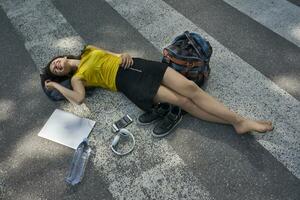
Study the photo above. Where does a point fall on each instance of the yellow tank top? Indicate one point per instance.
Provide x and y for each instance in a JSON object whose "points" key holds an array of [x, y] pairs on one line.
{"points": [[98, 68]]}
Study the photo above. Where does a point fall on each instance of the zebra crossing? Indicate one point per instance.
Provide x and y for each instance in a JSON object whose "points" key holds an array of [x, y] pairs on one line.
{"points": [[281, 17], [155, 170], [174, 24]]}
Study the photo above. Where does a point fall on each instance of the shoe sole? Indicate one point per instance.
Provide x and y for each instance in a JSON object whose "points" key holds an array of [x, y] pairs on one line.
{"points": [[145, 124], [167, 133]]}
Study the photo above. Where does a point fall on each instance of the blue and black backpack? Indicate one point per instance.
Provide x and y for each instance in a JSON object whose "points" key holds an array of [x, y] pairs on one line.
{"points": [[189, 54]]}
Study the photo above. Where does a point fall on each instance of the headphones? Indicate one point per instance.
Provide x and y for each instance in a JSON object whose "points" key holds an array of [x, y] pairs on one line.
{"points": [[122, 133]]}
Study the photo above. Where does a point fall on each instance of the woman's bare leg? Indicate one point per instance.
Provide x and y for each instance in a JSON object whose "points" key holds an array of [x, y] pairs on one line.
{"points": [[164, 94], [189, 89]]}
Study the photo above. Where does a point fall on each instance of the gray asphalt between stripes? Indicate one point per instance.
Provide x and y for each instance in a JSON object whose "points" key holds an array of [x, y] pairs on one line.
{"points": [[198, 161], [296, 2]]}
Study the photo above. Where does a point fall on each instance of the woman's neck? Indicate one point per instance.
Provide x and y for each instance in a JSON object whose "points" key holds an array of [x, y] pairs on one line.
{"points": [[74, 63]]}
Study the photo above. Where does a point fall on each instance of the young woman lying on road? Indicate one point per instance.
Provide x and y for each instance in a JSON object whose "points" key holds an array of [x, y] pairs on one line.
{"points": [[146, 83]]}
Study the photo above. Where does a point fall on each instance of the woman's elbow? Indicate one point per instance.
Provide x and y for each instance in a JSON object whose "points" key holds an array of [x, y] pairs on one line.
{"points": [[79, 100]]}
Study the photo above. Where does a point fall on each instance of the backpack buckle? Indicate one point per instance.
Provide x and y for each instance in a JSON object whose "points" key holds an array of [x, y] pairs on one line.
{"points": [[206, 74], [190, 64], [166, 56]]}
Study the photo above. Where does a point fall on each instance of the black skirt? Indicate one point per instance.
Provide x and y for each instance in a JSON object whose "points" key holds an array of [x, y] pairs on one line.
{"points": [[141, 86]]}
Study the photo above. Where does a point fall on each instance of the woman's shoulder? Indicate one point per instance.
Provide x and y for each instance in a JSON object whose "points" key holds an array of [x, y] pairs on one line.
{"points": [[90, 47], [91, 50], [86, 49]]}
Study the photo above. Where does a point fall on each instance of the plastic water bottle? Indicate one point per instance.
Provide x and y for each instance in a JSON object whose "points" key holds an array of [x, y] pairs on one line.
{"points": [[79, 162]]}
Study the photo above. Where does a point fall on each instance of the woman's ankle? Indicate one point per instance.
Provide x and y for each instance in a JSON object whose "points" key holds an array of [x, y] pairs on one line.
{"points": [[238, 120]]}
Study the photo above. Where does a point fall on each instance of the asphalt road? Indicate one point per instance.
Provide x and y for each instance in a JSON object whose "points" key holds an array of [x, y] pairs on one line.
{"points": [[199, 160]]}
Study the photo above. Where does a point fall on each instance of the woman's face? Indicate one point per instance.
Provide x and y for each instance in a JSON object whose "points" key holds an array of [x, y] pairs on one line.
{"points": [[60, 67]]}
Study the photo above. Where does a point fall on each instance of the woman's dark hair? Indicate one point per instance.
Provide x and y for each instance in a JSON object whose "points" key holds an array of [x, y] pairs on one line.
{"points": [[48, 75]]}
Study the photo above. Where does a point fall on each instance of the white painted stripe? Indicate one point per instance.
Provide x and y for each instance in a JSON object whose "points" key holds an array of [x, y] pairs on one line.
{"points": [[47, 33], [234, 81], [280, 16]]}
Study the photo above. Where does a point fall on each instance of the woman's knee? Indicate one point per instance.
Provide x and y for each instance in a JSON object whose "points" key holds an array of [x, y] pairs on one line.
{"points": [[191, 88]]}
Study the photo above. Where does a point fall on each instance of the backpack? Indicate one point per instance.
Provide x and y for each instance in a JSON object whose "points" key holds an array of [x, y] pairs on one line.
{"points": [[55, 95], [189, 54]]}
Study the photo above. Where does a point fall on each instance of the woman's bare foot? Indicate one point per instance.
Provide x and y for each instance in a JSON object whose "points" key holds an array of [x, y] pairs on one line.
{"points": [[264, 122], [245, 126]]}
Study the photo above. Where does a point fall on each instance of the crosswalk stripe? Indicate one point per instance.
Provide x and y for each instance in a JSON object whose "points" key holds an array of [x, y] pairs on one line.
{"points": [[280, 16], [254, 94], [46, 33], [44, 29]]}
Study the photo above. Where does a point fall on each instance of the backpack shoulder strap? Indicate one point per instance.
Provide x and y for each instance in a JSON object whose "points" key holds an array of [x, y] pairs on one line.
{"points": [[202, 43]]}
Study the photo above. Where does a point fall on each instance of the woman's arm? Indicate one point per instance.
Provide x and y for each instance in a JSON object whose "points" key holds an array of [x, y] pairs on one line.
{"points": [[76, 95], [127, 60]]}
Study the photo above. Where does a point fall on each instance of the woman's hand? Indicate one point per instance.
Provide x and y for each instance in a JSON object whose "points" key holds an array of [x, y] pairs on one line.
{"points": [[127, 60], [50, 85]]}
